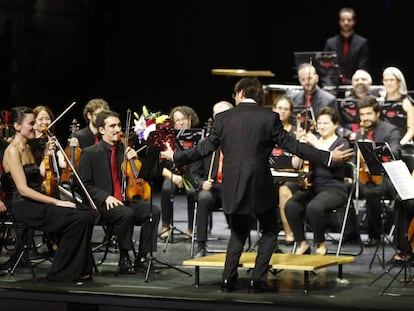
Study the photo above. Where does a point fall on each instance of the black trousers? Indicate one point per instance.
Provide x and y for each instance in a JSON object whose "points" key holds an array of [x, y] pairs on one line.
{"points": [[125, 217], [240, 230]]}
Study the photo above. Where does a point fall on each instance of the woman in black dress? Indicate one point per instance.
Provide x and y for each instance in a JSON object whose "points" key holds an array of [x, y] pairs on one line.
{"points": [[23, 178]]}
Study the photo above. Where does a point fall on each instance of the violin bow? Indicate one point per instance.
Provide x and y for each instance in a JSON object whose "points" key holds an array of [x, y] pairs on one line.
{"points": [[60, 116], [72, 167], [126, 142], [93, 205]]}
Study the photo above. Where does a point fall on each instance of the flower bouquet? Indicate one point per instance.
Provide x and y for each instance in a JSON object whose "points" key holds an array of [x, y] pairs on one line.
{"points": [[156, 129]]}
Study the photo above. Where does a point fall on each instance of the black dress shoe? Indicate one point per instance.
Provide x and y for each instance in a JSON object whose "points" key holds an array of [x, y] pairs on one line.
{"points": [[257, 286], [200, 253], [371, 242], [141, 264], [125, 266], [228, 285]]}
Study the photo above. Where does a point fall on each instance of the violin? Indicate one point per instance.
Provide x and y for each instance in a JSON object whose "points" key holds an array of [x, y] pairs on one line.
{"points": [[133, 185], [73, 153], [364, 175], [305, 174], [51, 176]]}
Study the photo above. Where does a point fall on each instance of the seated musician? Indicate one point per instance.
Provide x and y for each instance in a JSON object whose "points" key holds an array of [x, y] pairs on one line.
{"points": [[373, 189], [326, 191], [206, 173], [97, 169], [404, 229], [183, 117], [347, 107], [22, 182], [43, 118], [284, 107]]}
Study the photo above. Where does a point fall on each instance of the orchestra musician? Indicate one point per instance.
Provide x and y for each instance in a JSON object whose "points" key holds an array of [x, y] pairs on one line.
{"points": [[183, 117], [73, 259], [206, 173], [89, 134], [96, 170], [397, 106], [55, 163], [347, 107], [404, 229], [43, 118], [311, 98], [351, 48], [247, 134], [327, 190], [283, 105], [374, 189]]}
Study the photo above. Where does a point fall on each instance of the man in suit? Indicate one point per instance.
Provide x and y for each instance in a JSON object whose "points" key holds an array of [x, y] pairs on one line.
{"points": [[351, 49], [375, 189], [95, 166], [247, 134], [89, 134]]}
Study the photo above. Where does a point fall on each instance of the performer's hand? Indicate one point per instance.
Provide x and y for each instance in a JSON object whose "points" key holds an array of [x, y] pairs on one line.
{"points": [[2, 207], [167, 153], [131, 153], [339, 155], [207, 185], [63, 203], [112, 202], [178, 180]]}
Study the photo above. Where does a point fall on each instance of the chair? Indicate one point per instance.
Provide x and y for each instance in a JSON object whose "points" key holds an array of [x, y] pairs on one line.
{"points": [[109, 241], [343, 215], [21, 242]]}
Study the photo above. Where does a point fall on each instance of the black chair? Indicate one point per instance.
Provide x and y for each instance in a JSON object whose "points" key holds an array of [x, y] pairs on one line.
{"points": [[22, 245]]}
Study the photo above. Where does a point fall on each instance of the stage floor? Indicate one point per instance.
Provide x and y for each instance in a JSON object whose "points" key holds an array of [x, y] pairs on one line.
{"points": [[170, 286]]}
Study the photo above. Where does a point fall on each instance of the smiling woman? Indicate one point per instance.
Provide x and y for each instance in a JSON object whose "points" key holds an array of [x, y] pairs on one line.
{"points": [[37, 210]]}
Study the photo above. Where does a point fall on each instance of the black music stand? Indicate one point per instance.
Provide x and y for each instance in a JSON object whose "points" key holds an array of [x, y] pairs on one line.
{"points": [[150, 170], [402, 181], [375, 154], [184, 138]]}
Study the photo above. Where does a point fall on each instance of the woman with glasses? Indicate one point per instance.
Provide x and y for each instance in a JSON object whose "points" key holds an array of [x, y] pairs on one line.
{"points": [[183, 117]]}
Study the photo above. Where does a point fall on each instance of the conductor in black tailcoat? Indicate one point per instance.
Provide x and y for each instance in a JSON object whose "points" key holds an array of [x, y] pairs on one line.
{"points": [[247, 135]]}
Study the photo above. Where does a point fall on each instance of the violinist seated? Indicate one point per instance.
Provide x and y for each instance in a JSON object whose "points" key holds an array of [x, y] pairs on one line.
{"points": [[178, 181], [322, 189], [374, 188], [22, 183], [43, 118], [404, 229], [97, 167]]}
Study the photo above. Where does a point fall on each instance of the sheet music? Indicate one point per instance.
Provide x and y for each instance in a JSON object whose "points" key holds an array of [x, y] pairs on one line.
{"points": [[401, 178]]}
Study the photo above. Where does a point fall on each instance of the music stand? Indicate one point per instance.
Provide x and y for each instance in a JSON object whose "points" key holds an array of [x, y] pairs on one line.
{"points": [[184, 139], [403, 182], [150, 170], [374, 155]]}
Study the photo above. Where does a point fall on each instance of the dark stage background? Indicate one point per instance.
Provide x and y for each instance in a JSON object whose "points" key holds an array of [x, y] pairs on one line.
{"points": [[160, 53]]}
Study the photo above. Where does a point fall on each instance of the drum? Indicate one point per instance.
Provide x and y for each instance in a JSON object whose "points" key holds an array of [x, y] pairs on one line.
{"points": [[274, 91]]}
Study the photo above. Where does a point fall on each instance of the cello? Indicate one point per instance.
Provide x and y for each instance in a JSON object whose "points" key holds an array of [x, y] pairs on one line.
{"points": [[133, 186]]}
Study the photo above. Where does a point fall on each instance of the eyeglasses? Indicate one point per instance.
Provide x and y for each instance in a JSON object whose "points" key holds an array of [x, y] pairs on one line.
{"points": [[180, 120]]}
